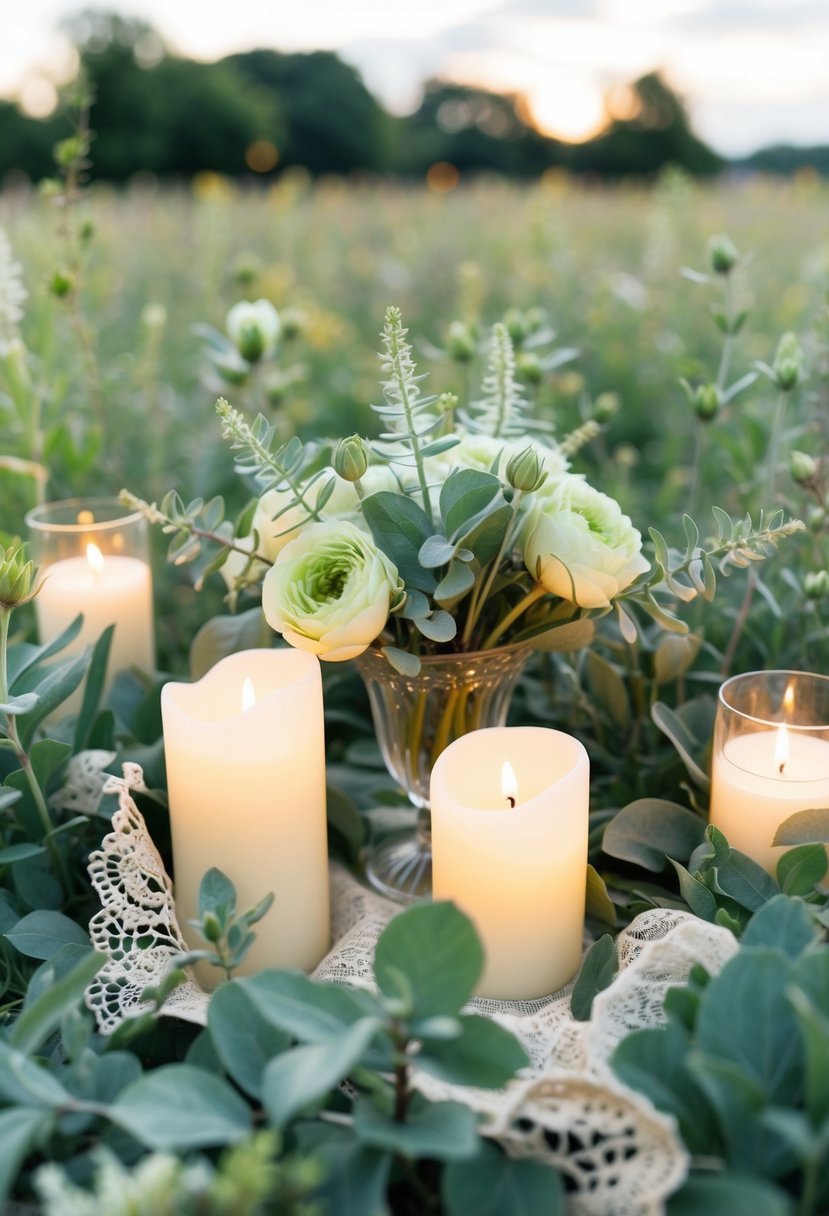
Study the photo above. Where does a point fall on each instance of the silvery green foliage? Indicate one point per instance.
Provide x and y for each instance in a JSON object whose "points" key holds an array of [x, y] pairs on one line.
{"points": [[500, 411], [12, 297]]}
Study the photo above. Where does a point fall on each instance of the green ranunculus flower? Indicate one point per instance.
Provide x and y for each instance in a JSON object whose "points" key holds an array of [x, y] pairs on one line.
{"points": [[330, 590], [581, 546]]}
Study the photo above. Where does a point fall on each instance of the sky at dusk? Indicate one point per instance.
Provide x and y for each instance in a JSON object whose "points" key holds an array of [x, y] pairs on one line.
{"points": [[752, 72]]}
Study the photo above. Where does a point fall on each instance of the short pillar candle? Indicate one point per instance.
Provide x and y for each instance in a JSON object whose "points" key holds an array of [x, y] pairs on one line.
{"points": [[770, 757], [509, 844], [245, 756]]}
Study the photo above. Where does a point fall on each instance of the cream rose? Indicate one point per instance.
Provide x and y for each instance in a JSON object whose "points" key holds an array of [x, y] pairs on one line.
{"points": [[581, 546], [330, 590]]}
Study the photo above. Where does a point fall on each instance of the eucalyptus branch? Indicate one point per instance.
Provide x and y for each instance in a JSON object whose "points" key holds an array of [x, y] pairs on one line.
{"points": [[272, 469], [174, 517]]}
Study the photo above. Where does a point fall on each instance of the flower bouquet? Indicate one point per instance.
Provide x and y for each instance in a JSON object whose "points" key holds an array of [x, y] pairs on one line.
{"points": [[438, 556]]}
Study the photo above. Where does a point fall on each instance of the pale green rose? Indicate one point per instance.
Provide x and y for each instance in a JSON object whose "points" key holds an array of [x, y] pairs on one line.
{"points": [[581, 546], [330, 590], [253, 328]]}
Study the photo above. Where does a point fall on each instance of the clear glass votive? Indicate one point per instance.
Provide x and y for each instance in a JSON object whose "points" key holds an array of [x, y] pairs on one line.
{"points": [[770, 758], [93, 558]]}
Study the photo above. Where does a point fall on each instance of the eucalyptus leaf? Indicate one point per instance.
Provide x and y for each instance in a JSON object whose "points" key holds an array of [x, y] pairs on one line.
{"points": [[804, 827], [687, 744], [311, 1012], [464, 494], [436, 947], [41, 934], [800, 869], [20, 1130], [814, 1029], [493, 1184], [400, 526], [445, 1131], [403, 661], [93, 689], [225, 635], [608, 688], [459, 579], [439, 627], [599, 905], [20, 852], [435, 551], [178, 1106], [36, 1023], [243, 1038], [217, 894], [729, 1191], [784, 923], [25, 658], [485, 1055], [303, 1076], [597, 972], [744, 880], [651, 830], [356, 1178], [25, 1083], [695, 893], [19, 705]]}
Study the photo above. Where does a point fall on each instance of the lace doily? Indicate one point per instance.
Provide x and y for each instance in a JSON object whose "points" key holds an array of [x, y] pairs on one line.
{"points": [[621, 1156]]}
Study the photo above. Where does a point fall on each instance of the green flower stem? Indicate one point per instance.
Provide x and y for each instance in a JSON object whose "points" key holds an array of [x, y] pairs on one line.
{"points": [[728, 338], [11, 731], [536, 593], [479, 595], [774, 446]]}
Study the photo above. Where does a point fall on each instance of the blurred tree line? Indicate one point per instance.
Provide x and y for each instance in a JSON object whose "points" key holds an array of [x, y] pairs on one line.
{"points": [[263, 111]]}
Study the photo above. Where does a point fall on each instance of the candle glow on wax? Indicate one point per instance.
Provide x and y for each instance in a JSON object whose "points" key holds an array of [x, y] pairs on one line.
{"points": [[95, 558], [248, 694]]}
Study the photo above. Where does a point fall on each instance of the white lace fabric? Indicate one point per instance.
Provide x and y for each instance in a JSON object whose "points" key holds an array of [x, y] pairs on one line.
{"points": [[621, 1156]]}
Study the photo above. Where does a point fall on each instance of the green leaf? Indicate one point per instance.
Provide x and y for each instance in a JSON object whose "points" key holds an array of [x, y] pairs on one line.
{"points": [[800, 869], [446, 1131], [608, 688], [437, 948], [599, 905], [744, 880], [458, 579], [655, 1062], [58, 685], [179, 1106], [41, 934], [303, 1076], [404, 661], [346, 826], [225, 635], [784, 923], [93, 689], [651, 830], [20, 1129], [804, 827], [311, 1012], [19, 705], [484, 1055], [686, 742], [25, 1083], [216, 893], [356, 1179], [439, 627], [400, 526], [713, 1194], [814, 1029], [37, 1022], [597, 973], [464, 494], [492, 1184], [739, 1101], [244, 1040], [19, 852], [435, 551], [561, 639], [484, 537], [695, 893]]}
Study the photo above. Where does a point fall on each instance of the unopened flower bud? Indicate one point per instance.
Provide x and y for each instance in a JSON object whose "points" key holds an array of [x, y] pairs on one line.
{"points": [[351, 458], [529, 369], [606, 406], [211, 926], [788, 363], [707, 402], [722, 253], [816, 584], [61, 284], [253, 328], [460, 342], [516, 324], [16, 577], [246, 268], [816, 518], [524, 470], [803, 467], [293, 321]]}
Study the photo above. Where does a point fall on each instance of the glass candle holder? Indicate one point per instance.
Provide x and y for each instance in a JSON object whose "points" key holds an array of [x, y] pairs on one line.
{"points": [[771, 757], [93, 557]]}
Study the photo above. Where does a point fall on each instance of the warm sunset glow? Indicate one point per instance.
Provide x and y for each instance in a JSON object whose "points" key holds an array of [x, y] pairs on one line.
{"points": [[261, 156], [442, 177], [569, 110], [95, 558], [509, 784], [248, 694]]}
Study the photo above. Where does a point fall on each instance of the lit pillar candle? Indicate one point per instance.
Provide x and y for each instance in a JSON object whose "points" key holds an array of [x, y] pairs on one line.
{"points": [[771, 757], [509, 847], [92, 556], [246, 783]]}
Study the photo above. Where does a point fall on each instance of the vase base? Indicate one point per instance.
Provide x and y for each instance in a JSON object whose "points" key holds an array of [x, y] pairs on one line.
{"points": [[400, 868]]}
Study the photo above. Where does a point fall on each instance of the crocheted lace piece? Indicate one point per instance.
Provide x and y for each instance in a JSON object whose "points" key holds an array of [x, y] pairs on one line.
{"points": [[621, 1156]]}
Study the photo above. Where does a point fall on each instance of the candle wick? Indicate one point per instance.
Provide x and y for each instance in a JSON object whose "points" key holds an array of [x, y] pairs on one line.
{"points": [[511, 801], [782, 766]]}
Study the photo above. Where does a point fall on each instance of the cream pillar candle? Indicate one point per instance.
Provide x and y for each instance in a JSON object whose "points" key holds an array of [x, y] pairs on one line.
{"points": [[247, 795], [92, 555], [771, 757], [518, 871]]}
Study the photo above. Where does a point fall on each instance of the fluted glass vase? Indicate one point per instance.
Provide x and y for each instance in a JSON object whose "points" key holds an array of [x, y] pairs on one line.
{"points": [[415, 718]]}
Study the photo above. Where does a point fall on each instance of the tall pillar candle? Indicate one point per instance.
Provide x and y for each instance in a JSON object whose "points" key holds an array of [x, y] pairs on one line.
{"points": [[93, 556], [245, 755], [509, 847], [770, 757]]}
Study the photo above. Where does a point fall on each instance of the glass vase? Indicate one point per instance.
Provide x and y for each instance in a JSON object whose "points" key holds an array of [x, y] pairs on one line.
{"points": [[415, 718]]}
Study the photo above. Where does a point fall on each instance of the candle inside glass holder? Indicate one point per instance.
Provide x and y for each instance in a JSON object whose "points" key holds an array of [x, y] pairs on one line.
{"points": [[771, 757], [93, 557]]}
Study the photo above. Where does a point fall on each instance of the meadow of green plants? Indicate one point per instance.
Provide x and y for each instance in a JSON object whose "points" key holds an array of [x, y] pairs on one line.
{"points": [[689, 401]]}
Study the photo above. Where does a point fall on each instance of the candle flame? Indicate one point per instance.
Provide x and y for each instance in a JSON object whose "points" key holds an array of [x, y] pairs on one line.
{"points": [[788, 700], [248, 695], [781, 749], [95, 558], [509, 783]]}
